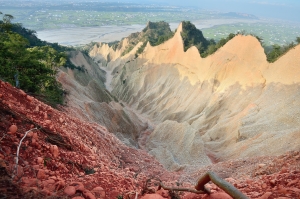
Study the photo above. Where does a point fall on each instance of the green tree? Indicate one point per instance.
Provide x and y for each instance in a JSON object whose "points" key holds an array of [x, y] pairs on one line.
{"points": [[274, 53], [31, 69], [192, 36]]}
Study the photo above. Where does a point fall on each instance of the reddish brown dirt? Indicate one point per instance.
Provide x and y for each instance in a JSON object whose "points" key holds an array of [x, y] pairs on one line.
{"points": [[66, 151], [70, 158]]}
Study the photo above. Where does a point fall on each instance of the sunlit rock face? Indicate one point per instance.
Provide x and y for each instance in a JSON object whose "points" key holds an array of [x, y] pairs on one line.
{"points": [[187, 110]]}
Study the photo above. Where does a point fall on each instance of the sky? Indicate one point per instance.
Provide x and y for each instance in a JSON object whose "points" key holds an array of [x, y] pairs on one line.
{"points": [[279, 9]]}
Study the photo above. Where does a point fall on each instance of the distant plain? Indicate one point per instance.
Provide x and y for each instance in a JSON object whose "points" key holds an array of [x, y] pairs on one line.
{"points": [[69, 23], [83, 35]]}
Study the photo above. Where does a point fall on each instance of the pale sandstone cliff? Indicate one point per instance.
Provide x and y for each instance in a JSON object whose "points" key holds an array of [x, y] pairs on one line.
{"points": [[239, 104]]}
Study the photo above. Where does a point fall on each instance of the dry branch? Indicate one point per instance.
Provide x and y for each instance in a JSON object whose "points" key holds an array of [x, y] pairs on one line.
{"points": [[226, 186], [18, 151]]}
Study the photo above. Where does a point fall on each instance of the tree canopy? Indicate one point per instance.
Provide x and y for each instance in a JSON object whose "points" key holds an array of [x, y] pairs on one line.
{"points": [[31, 68]]}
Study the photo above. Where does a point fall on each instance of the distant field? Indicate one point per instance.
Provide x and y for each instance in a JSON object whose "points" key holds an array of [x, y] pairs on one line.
{"points": [[271, 32], [82, 35], [65, 14], [71, 23]]}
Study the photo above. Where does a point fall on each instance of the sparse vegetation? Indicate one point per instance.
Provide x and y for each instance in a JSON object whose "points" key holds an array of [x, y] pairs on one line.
{"points": [[193, 37], [127, 50], [155, 33], [213, 46], [119, 197], [277, 51], [141, 49]]}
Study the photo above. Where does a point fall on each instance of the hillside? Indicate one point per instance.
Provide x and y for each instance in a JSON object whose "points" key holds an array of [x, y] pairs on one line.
{"points": [[62, 151], [64, 157], [229, 104], [130, 121]]}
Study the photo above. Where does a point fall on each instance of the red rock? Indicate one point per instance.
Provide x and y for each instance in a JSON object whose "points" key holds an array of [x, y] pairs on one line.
{"points": [[284, 170], [163, 193], [40, 160], [33, 141], [266, 195], [49, 185], [36, 167], [41, 174], [35, 136], [217, 196], [99, 192], [29, 98], [261, 165], [78, 197], [48, 122], [114, 194], [59, 185], [54, 150], [134, 168], [30, 134], [20, 171], [29, 182], [293, 182], [78, 186], [272, 182], [61, 120], [264, 186], [294, 189], [22, 93], [46, 192], [70, 190], [282, 190], [152, 196], [255, 194], [192, 196], [13, 129], [88, 195]]}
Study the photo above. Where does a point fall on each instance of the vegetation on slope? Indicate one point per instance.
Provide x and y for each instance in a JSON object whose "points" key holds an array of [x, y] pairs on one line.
{"points": [[155, 32], [191, 36], [276, 51], [29, 63]]}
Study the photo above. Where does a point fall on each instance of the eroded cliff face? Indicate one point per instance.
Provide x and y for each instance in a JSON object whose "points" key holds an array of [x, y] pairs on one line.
{"points": [[87, 98], [229, 105]]}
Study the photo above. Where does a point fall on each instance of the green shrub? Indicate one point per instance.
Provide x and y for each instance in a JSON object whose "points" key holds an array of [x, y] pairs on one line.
{"points": [[32, 69]]}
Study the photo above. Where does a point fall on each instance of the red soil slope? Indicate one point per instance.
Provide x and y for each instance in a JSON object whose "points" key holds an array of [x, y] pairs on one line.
{"points": [[65, 150]]}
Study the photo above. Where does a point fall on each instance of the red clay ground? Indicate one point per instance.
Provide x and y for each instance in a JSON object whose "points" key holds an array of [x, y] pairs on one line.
{"points": [[70, 158]]}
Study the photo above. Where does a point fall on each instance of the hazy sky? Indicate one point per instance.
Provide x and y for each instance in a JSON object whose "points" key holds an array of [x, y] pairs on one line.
{"points": [[282, 9]]}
